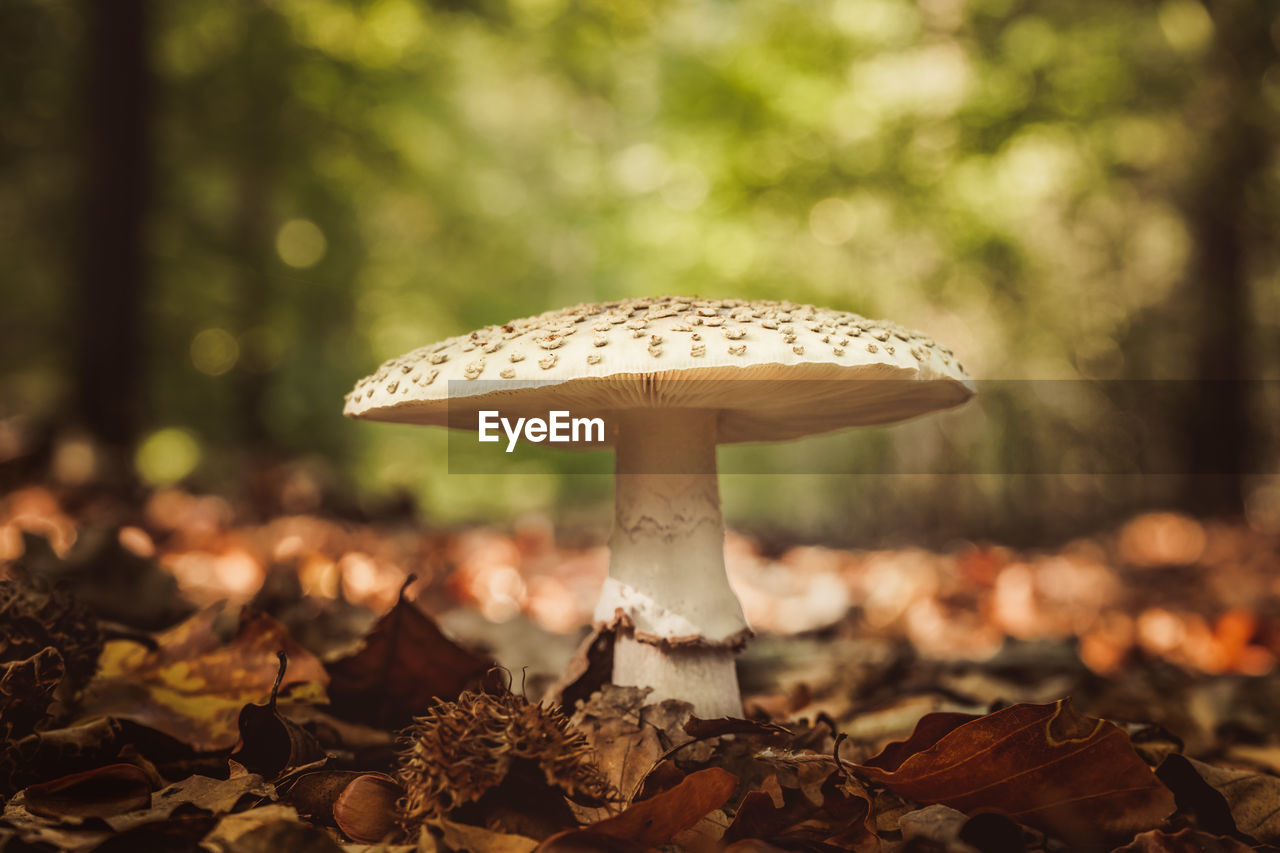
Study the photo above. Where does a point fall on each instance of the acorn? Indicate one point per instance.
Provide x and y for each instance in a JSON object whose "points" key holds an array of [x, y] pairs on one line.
{"points": [[34, 617], [498, 760]]}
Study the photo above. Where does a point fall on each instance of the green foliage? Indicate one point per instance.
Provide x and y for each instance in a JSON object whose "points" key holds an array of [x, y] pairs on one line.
{"points": [[342, 181]]}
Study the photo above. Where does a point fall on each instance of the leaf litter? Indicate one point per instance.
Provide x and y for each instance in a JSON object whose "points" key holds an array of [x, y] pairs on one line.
{"points": [[996, 701]]}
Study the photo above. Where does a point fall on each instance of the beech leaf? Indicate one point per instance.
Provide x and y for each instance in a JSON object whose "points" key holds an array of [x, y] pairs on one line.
{"points": [[101, 792], [1046, 766], [404, 663], [663, 816], [1252, 797]]}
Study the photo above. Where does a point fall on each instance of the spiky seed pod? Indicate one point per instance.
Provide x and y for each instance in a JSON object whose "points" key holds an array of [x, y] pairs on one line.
{"points": [[34, 617], [459, 751], [27, 690]]}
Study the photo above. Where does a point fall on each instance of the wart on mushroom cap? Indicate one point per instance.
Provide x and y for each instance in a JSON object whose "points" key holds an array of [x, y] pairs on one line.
{"points": [[655, 369]]}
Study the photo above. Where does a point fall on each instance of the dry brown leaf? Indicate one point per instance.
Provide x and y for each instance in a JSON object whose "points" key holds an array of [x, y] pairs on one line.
{"points": [[192, 686], [216, 796], [101, 792], [279, 836], [1047, 766], [460, 837], [1252, 797], [142, 829], [663, 816], [629, 737], [405, 662], [71, 836], [837, 813], [625, 749], [270, 743], [759, 815], [1185, 841], [590, 668], [232, 826], [181, 832]]}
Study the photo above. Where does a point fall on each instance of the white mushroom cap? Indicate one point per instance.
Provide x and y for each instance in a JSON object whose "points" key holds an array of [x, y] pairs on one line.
{"points": [[660, 352]]}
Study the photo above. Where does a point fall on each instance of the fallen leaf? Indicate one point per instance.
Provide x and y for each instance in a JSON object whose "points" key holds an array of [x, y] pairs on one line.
{"points": [[232, 826], [271, 744], [590, 669], [838, 814], [405, 662], [1047, 766], [760, 816], [465, 838], [101, 792], [279, 836], [216, 796], [176, 834], [628, 737], [661, 817], [336, 733], [1253, 798], [1196, 798], [34, 829], [661, 778], [192, 686], [1185, 841]]}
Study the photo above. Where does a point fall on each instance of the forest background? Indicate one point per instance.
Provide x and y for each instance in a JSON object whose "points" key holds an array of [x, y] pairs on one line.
{"points": [[216, 216]]}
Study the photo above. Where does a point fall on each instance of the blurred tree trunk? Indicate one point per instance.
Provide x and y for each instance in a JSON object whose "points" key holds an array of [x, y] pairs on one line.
{"points": [[252, 245], [261, 69], [1229, 114], [110, 268]]}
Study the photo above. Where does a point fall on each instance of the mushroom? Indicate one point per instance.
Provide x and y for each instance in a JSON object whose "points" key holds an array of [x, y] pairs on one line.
{"points": [[660, 372]]}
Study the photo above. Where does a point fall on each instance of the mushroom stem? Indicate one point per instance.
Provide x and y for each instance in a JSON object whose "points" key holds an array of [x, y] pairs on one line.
{"points": [[679, 621]]}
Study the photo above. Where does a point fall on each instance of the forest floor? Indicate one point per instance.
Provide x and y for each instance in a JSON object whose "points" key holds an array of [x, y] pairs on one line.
{"points": [[179, 673]]}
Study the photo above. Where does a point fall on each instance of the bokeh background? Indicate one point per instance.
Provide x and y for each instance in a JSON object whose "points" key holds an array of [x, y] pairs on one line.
{"points": [[216, 216]]}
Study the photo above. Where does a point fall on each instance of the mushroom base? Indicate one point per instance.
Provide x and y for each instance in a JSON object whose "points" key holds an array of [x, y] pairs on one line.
{"points": [[668, 596], [703, 675]]}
